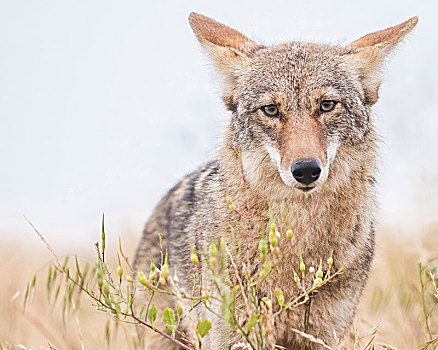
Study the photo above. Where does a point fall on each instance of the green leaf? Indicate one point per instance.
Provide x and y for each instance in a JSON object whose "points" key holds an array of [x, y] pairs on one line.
{"points": [[118, 309], [108, 332], [152, 314], [33, 281], [142, 310], [153, 271], [26, 295], [64, 265], [78, 270], [203, 327], [280, 297], [179, 310], [252, 322], [103, 237], [169, 319], [49, 280], [120, 246]]}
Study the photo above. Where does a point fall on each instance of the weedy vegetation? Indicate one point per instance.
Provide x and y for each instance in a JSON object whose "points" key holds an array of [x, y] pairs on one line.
{"points": [[126, 295], [114, 290], [398, 310]]}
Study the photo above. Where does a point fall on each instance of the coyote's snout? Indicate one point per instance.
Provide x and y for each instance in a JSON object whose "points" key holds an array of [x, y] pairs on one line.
{"points": [[302, 134]]}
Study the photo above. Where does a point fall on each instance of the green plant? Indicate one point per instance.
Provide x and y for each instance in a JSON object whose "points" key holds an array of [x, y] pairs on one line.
{"points": [[113, 289]]}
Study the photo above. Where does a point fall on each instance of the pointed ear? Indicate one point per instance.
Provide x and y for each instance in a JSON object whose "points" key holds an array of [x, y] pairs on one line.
{"points": [[228, 49], [370, 51]]}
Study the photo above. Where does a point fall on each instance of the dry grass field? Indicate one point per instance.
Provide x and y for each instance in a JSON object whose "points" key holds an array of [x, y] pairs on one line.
{"points": [[393, 301]]}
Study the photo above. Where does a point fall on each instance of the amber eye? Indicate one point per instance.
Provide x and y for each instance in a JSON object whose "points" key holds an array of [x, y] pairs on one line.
{"points": [[270, 111], [327, 105]]}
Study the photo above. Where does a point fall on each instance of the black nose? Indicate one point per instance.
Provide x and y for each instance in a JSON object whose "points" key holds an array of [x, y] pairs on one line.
{"points": [[306, 170]]}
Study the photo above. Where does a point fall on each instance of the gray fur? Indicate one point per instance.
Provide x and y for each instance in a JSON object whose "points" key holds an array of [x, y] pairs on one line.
{"points": [[295, 76]]}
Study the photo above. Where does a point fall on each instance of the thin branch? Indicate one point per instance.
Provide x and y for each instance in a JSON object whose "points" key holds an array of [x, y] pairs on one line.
{"points": [[236, 272], [58, 263]]}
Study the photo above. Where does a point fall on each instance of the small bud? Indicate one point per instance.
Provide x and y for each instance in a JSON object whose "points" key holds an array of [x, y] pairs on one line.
{"points": [[302, 266], [142, 278], [165, 270], [330, 260], [296, 278], [273, 240], [276, 251], [319, 273], [193, 256], [272, 228], [289, 234], [162, 280], [263, 248], [128, 278], [233, 207], [119, 271], [227, 196], [311, 269]]}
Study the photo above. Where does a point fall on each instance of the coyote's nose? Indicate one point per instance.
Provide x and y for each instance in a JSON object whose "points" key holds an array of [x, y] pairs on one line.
{"points": [[306, 170]]}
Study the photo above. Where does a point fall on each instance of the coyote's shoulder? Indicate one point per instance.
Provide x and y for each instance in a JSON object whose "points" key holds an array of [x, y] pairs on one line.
{"points": [[301, 139]]}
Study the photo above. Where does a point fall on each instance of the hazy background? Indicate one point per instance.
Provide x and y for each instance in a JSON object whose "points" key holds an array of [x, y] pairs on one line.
{"points": [[105, 104]]}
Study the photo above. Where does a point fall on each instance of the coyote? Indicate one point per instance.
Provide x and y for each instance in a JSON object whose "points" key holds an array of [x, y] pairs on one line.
{"points": [[301, 122]]}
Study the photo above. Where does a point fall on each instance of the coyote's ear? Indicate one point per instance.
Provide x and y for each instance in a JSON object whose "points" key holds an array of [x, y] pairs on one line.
{"points": [[370, 52], [228, 49]]}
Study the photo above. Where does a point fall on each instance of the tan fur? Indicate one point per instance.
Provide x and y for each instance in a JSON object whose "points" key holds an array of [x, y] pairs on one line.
{"points": [[295, 77], [391, 35]]}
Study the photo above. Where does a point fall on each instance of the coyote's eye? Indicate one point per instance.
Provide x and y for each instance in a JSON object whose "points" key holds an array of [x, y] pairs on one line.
{"points": [[270, 111], [327, 105]]}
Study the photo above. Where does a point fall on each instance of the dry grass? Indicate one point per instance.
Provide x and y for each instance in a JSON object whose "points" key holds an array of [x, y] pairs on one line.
{"points": [[392, 302], [40, 324]]}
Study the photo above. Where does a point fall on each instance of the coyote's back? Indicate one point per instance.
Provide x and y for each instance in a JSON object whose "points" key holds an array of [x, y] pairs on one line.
{"points": [[301, 139]]}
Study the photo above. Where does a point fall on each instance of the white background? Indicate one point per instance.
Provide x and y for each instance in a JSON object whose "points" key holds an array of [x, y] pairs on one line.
{"points": [[106, 104]]}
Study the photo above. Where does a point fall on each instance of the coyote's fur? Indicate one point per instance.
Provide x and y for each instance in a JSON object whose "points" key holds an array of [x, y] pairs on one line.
{"points": [[301, 118]]}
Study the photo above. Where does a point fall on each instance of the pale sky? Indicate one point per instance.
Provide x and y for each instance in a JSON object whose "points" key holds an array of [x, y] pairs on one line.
{"points": [[104, 105]]}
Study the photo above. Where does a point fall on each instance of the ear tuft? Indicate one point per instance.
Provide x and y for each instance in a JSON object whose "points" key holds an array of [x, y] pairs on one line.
{"points": [[386, 37], [228, 49], [369, 52], [210, 31]]}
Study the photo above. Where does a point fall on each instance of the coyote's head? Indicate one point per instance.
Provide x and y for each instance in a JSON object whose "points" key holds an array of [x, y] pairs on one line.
{"points": [[296, 106]]}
